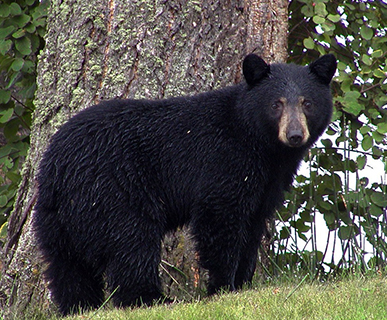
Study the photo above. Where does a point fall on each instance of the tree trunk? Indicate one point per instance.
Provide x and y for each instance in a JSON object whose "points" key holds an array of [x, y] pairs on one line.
{"points": [[103, 49]]}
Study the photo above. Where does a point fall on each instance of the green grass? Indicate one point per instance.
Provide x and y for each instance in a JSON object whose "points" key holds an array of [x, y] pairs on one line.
{"points": [[355, 297]]}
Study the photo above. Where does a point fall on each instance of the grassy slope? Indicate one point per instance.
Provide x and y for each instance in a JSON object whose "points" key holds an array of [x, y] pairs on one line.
{"points": [[356, 298]]}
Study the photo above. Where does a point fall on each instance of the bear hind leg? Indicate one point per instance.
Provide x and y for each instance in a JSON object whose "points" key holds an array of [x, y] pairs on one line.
{"points": [[74, 287]]}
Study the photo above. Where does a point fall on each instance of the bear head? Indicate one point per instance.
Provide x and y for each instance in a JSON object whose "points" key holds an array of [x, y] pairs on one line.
{"points": [[291, 103]]}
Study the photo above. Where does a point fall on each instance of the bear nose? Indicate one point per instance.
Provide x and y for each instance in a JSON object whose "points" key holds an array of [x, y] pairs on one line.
{"points": [[295, 138]]}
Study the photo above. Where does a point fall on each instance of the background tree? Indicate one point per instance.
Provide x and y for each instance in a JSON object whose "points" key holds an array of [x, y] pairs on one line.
{"points": [[103, 49], [154, 49]]}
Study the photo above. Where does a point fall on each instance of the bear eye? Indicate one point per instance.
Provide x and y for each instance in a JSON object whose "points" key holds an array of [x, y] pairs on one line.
{"points": [[308, 105], [276, 105]]}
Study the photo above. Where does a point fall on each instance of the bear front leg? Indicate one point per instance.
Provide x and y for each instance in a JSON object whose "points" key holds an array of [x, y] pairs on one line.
{"points": [[132, 274], [247, 264], [218, 241], [246, 268], [249, 254]]}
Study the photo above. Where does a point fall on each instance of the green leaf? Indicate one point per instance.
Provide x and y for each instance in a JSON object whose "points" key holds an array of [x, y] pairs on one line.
{"points": [[309, 43], [351, 104], [3, 201], [334, 17], [23, 45], [383, 98], [15, 9], [328, 27], [378, 73], [31, 28], [364, 129], [382, 127], [301, 226], [327, 143], [376, 152], [325, 205], [6, 115], [341, 65], [284, 233], [11, 129], [346, 84], [5, 95], [353, 108], [366, 32], [320, 9], [5, 46], [5, 150], [346, 232], [379, 198], [373, 114], [302, 236], [21, 20], [378, 137], [351, 7], [366, 59], [375, 211], [40, 11], [7, 163], [377, 53], [361, 162], [13, 176], [367, 142], [29, 66], [19, 33], [12, 80], [5, 32], [35, 42], [41, 22], [4, 10], [329, 218], [307, 11], [318, 20], [352, 96], [17, 64], [23, 149]]}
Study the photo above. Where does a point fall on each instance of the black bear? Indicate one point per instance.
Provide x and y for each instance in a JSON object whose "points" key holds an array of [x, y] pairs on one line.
{"points": [[119, 175]]}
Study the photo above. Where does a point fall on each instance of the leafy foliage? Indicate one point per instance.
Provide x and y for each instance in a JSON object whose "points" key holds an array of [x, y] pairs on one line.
{"points": [[354, 209], [22, 26]]}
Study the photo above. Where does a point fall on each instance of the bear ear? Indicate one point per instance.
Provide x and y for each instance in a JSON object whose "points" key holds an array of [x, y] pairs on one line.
{"points": [[254, 69], [324, 68]]}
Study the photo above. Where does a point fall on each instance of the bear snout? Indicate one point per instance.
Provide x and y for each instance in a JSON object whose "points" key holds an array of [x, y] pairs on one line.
{"points": [[293, 126], [295, 138]]}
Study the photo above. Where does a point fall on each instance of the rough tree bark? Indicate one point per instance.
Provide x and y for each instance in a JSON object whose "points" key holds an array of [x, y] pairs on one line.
{"points": [[105, 49]]}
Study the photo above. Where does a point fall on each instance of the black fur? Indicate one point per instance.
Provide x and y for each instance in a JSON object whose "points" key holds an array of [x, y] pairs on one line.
{"points": [[120, 175]]}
